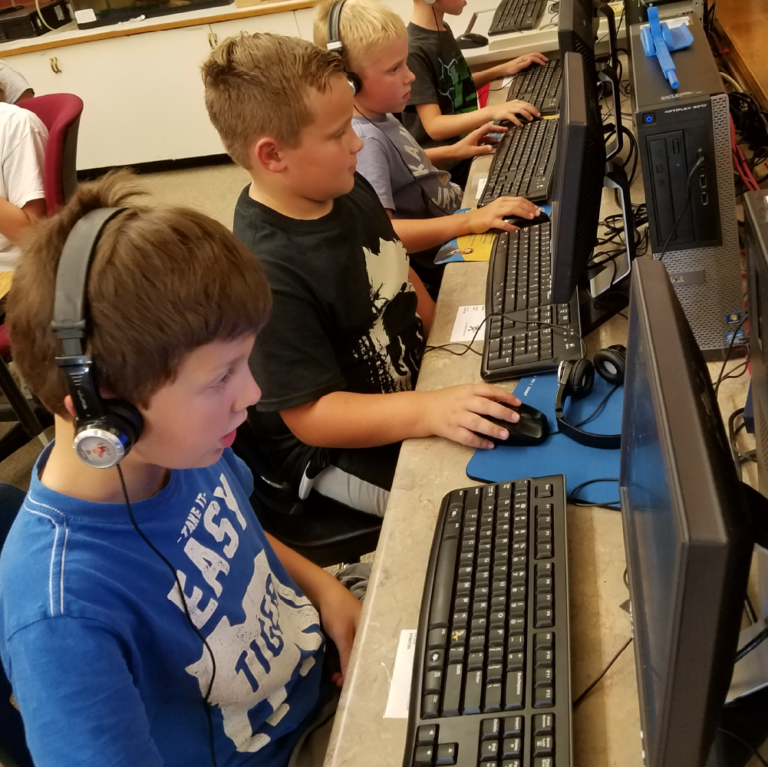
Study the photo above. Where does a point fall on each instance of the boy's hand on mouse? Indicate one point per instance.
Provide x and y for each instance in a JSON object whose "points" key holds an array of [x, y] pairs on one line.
{"points": [[492, 215], [514, 66], [510, 111], [457, 412], [340, 615], [480, 141]]}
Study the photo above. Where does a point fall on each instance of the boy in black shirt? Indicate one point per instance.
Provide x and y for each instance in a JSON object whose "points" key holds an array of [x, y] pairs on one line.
{"points": [[338, 361], [443, 103]]}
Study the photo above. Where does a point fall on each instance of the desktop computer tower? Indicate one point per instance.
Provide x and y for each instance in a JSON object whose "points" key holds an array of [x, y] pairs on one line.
{"points": [[685, 152]]}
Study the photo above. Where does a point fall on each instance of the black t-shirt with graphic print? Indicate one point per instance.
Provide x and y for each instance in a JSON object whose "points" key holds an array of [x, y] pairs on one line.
{"points": [[442, 78], [344, 315]]}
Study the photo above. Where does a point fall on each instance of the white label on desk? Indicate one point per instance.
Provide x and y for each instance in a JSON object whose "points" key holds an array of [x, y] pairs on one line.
{"points": [[400, 686], [481, 186], [507, 81], [86, 16], [468, 320]]}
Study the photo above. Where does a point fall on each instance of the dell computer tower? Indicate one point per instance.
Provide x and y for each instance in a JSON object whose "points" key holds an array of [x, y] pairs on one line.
{"points": [[685, 152]]}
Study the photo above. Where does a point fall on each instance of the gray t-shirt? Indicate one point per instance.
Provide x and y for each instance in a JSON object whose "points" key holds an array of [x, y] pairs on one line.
{"points": [[406, 182]]}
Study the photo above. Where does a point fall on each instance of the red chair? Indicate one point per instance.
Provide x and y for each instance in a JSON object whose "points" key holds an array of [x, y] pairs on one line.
{"points": [[60, 113]]}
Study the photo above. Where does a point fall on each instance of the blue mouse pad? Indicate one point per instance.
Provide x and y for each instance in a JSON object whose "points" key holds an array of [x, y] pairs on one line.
{"points": [[558, 454]]}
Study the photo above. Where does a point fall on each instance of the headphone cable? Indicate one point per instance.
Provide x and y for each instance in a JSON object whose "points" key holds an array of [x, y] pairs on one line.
{"points": [[186, 612]]}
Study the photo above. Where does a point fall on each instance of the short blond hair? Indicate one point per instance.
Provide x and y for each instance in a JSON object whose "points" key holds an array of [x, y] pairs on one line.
{"points": [[364, 26], [258, 85]]}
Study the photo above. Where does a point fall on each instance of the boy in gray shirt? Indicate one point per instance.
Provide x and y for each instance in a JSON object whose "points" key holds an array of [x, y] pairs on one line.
{"points": [[418, 197]]}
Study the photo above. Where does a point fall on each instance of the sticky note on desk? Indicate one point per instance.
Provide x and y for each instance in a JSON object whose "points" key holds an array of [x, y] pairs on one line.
{"points": [[400, 685]]}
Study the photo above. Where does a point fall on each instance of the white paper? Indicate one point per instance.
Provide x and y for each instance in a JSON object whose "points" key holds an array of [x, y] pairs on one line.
{"points": [[400, 687], [481, 186], [85, 16], [468, 320], [507, 81]]}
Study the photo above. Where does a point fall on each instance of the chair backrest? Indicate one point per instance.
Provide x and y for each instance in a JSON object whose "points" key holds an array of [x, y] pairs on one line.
{"points": [[13, 747], [60, 113]]}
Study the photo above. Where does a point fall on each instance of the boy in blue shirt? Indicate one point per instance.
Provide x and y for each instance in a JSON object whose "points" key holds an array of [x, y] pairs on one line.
{"points": [[145, 617], [338, 361]]}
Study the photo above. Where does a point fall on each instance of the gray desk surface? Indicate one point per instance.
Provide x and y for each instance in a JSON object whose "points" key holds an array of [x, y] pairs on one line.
{"points": [[606, 725]]}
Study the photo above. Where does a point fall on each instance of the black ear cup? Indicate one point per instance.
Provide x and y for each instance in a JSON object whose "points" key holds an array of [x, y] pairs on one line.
{"points": [[581, 379], [611, 363], [126, 419]]}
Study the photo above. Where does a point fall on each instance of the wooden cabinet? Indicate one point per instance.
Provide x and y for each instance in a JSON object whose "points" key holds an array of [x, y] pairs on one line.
{"points": [[143, 93]]}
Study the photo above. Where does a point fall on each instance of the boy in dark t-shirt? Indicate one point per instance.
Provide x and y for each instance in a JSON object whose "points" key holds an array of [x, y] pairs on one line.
{"points": [[443, 103], [338, 361]]}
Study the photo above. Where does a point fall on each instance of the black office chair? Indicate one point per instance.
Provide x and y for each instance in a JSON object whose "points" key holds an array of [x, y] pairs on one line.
{"points": [[13, 745], [324, 531]]}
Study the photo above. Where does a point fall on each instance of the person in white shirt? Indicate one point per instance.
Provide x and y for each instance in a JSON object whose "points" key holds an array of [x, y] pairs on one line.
{"points": [[22, 198], [15, 87]]}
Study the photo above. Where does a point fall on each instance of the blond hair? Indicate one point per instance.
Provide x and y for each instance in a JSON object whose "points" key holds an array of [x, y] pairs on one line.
{"points": [[364, 27], [163, 282], [258, 85]]}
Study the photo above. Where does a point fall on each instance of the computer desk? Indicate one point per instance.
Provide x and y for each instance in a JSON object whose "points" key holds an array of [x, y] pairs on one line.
{"points": [[606, 726], [503, 47]]}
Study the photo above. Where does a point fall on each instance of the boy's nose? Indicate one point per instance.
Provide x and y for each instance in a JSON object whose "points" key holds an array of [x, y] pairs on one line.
{"points": [[357, 144], [411, 77]]}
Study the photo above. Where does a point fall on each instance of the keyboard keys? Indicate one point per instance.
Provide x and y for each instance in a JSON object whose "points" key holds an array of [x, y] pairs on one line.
{"points": [[495, 652]]}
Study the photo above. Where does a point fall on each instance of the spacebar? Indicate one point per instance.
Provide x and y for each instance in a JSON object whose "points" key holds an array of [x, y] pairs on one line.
{"points": [[445, 574]]}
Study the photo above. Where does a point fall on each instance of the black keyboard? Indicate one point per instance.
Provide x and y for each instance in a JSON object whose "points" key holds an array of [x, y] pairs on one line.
{"points": [[522, 342], [491, 674], [524, 163], [540, 86], [516, 15]]}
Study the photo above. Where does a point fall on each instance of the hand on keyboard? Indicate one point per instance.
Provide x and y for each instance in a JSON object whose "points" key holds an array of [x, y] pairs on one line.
{"points": [[492, 215], [521, 62], [482, 140], [510, 110], [457, 412]]}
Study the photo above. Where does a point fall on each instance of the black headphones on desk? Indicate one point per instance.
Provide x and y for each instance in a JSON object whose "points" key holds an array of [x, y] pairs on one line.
{"points": [[575, 380], [334, 43], [105, 429]]}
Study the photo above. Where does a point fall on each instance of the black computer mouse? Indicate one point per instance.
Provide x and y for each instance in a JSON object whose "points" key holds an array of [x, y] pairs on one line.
{"points": [[531, 429], [471, 40]]}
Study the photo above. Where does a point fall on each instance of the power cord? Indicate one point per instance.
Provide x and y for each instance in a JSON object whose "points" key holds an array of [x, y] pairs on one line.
{"points": [[592, 686], [752, 644], [186, 613], [687, 205], [741, 740], [721, 377], [575, 500]]}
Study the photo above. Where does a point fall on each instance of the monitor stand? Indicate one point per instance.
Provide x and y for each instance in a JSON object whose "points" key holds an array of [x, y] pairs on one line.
{"points": [[605, 289]]}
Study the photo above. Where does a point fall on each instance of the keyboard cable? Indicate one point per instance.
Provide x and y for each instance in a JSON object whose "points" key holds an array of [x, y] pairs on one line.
{"points": [[592, 686]]}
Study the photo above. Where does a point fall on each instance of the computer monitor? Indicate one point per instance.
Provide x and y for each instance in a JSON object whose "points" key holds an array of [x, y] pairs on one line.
{"points": [[576, 32], [687, 532], [578, 182]]}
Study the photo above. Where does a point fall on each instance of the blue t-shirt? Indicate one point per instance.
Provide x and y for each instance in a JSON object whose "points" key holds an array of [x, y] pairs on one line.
{"points": [[104, 664]]}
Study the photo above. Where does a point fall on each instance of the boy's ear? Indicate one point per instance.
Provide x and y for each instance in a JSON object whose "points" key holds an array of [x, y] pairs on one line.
{"points": [[268, 153], [69, 405]]}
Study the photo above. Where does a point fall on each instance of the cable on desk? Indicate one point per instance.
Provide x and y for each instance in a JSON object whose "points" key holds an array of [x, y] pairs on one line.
{"points": [[741, 740], [604, 672], [599, 408], [574, 500], [721, 377], [751, 645], [503, 315]]}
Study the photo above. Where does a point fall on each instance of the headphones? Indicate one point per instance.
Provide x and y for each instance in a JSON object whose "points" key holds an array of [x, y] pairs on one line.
{"points": [[105, 429], [334, 43], [575, 380]]}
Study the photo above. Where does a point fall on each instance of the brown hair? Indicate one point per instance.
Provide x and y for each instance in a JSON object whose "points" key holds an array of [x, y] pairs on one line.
{"points": [[257, 85], [365, 27], [163, 282]]}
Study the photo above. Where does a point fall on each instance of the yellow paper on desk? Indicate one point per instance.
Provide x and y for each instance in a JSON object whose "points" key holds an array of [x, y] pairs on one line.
{"points": [[468, 247]]}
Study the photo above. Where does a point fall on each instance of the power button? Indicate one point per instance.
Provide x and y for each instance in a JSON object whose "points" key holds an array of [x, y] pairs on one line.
{"points": [[649, 118]]}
